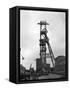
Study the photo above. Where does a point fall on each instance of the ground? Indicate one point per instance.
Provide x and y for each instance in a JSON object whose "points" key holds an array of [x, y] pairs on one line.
{"points": [[50, 76]]}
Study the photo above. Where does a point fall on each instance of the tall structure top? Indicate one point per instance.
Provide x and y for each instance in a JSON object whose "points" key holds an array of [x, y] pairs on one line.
{"points": [[43, 23]]}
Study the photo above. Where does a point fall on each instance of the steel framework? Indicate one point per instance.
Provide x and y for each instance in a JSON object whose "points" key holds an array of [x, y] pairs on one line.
{"points": [[44, 44]]}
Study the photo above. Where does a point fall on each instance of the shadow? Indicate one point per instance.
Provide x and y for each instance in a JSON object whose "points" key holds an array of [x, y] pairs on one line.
{"points": [[7, 79]]}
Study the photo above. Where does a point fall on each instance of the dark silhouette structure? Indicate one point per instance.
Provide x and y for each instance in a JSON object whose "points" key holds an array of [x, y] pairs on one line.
{"points": [[44, 45]]}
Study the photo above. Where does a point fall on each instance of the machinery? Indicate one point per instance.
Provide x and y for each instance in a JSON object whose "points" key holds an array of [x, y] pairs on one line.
{"points": [[42, 66]]}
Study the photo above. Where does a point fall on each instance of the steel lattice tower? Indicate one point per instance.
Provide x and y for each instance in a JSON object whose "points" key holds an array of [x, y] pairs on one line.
{"points": [[44, 40]]}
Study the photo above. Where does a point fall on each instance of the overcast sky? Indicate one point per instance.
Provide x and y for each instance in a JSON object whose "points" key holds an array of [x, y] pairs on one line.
{"points": [[30, 32]]}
